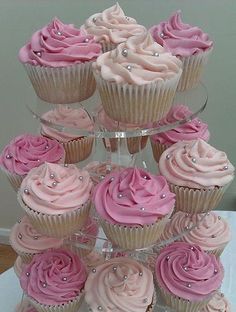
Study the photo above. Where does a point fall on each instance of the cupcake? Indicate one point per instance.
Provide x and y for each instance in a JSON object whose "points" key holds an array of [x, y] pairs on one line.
{"points": [[133, 206], [26, 241], [58, 61], [28, 151], [192, 130], [56, 199], [54, 281], [120, 284], [197, 173], [189, 43], [18, 266], [134, 144], [187, 277], [217, 304], [137, 81], [210, 232], [112, 27], [77, 147], [25, 306]]}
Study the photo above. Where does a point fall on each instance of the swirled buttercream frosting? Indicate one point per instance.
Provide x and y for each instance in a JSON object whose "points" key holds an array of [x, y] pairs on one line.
{"points": [[218, 304], [28, 151], [186, 271], [196, 164], [138, 61], [120, 284], [112, 25], [67, 117], [59, 45], [188, 131], [133, 197], [56, 189], [179, 38], [54, 277]]}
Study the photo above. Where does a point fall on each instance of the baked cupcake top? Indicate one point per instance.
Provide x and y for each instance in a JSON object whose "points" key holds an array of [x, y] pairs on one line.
{"points": [[186, 271], [120, 284], [133, 197], [196, 164], [59, 45], [212, 231], [25, 306], [138, 61], [217, 304], [188, 131], [54, 277], [179, 38], [112, 25], [24, 238], [66, 116], [55, 189], [98, 170], [28, 151]]}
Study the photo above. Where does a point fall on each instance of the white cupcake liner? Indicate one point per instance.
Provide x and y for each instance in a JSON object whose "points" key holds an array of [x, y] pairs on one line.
{"points": [[78, 150], [137, 104], [193, 67], [157, 149], [134, 237], [107, 46], [25, 257], [62, 85], [217, 251], [58, 226], [196, 200], [14, 179], [134, 145], [18, 266]]}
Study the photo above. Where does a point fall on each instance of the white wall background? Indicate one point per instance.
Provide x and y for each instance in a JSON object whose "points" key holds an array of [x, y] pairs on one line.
{"points": [[20, 18]]}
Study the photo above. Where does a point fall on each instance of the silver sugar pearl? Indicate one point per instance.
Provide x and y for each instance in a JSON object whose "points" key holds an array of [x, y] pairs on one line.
{"points": [[208, 213], [219, 217], [185, 269], [142, 208], [213, 236], [102, 177], [66, 165], [52, 176], [225, 167], [145, 300], [215, 271], [26, 191], [80, 178], [27, 274], [155, 54], [86, 40], [168, 156], [114, 269], [59, 33], [124, 52], [125, 277], [64, 279], [186, 227], [127, 18], [194, 160], [94, 270], [162, 35], [94, 19], [186, 214], [54, 183], [140, 274], [145, 177], [39, 54], [120, 195], [99, 308], [128, 67], [46, 147], [44, 285], [111, 179], [36, 237], [189, 285], [163, 196], [8, 156], [38, 160], [192, 248], [168, 258]]}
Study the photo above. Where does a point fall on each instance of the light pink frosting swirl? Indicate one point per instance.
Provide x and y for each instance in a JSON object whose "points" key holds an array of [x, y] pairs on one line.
{"points": [[186, 271], [54, 277], [28, 151], [133, 196], [140, 55], [212, 232], [196, 164], [112, 25], [25, 238], [218, 304], [25, 306], [56, 189], [67, 117], [120, 284], [179, 38], [59, 45], [191, 130]]}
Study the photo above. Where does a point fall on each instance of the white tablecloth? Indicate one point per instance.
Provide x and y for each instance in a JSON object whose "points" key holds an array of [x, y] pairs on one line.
{"points": [[10, 291]]}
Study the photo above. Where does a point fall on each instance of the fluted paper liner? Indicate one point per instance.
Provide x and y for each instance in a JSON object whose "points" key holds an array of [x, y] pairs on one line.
{"points": [[196, 200], [78, 150], [16, 270], [134, 145], [137, 104], [157, 149], [193, 67], [217, 251], [58, 226], [62, 85], [134, 237], [26, 257], [107, 46]]}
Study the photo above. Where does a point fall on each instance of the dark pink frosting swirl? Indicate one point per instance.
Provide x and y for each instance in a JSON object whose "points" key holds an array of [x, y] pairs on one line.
{"points": [[133, 196], [59, 45], [186, 271], [180, 39], [28, 151], [54, 277]]}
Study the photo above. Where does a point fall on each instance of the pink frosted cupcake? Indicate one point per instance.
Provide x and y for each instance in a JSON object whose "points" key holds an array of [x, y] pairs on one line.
{"points": [[28, 151], [187, 277], [26, 241], [58, 61], [217, 304], [112, 27], [120, 284], [212, 232], [77, 147], [54, 281], [192, 130], [56, 199], [197, 173], [133, 206], [189, 43], [25, 306]]}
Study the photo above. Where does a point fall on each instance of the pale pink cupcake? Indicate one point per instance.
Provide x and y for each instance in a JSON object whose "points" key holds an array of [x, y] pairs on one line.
{"points": [[56, 198], [58, 61], [197, 173], [25, 306], [77, 147], [191, 130], [217, 304], [28, 151]]}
